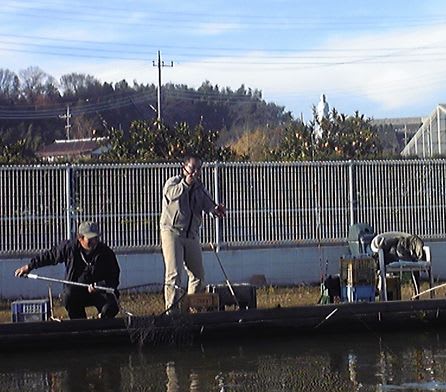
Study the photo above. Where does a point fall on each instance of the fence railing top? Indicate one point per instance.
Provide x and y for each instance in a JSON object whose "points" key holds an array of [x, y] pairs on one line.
{"points": [[35, 167], [139, 165]]}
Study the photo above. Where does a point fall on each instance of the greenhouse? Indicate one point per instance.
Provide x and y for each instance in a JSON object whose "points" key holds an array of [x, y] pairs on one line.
{"points": [[430, 139]]}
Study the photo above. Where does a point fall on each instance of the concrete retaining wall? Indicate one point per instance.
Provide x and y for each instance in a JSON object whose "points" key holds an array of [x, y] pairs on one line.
{"points": [[281, 266]]}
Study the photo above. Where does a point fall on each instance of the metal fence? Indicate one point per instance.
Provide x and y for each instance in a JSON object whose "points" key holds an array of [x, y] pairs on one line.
{"points": [[268, 204]]}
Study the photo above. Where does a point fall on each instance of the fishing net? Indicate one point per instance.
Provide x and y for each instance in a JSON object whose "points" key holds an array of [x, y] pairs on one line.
{"points": [[146, 319], [141, 300], [160, 330]]}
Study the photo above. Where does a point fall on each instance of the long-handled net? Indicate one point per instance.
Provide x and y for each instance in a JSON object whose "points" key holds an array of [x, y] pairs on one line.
{"points": [[147, 322]]}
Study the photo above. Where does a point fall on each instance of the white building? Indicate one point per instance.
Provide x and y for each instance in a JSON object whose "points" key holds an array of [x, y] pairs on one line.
{"points": [[430, 139]]}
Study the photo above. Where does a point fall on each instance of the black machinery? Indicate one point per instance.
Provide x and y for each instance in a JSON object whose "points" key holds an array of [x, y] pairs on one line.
{"points": [[360, 236], [244, 292]]}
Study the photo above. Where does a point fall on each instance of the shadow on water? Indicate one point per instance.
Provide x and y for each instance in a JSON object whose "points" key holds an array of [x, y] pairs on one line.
{"points": [[368, 362]]}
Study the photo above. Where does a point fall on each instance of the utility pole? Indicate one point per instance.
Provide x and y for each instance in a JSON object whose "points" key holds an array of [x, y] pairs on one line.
{"points": [[67, 116], [160, 64]]}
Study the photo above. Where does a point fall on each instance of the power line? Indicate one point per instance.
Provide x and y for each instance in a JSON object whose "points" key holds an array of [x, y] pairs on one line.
{"points": [[65, 47], [14, 114], [419, 51], [375, 59], [111, 100], [80, 55], [104, 97], [220, 49], [266, 24], [108, 7], [115, 101], [257, 19]]}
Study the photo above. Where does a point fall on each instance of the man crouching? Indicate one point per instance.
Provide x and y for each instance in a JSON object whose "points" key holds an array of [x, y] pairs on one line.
{"points": [[87, 260]]}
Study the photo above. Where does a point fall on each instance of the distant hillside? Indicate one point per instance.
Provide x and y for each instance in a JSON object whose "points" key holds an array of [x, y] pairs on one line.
{"points": [[33, 105]]}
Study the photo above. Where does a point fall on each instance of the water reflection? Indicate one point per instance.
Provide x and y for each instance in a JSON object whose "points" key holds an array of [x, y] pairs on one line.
{"points": [[412, 362], [191, 381]]}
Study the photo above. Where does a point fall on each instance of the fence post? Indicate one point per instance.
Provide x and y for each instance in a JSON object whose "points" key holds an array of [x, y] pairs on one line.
{"points": [[217, 200], [352, 193], [69, 200]]}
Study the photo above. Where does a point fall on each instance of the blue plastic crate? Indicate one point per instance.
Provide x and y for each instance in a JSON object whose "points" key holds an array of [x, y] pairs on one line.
{"points": [[30, 310], [358, 293]]}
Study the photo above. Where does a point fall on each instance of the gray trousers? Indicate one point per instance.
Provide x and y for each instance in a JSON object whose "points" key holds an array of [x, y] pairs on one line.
{"points": [[178, 252]]}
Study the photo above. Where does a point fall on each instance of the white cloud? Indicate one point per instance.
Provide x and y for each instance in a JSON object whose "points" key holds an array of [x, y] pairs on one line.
{"points": [[410, 66], [393, 70]]}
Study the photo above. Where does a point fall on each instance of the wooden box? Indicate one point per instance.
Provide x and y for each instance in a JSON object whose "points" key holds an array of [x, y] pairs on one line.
{"points": [[358, 271], [200, 302]]}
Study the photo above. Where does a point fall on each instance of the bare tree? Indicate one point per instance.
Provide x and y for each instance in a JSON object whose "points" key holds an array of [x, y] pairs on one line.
{"points": [[85, 127], [9, 83], [35, 82], [75, 83]]}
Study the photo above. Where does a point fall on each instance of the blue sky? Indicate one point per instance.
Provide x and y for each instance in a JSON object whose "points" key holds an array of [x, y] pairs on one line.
{"points": [[383, 58]]}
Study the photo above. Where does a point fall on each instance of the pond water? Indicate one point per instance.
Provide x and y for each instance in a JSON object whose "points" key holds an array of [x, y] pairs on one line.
{"points": [[362, 362]]}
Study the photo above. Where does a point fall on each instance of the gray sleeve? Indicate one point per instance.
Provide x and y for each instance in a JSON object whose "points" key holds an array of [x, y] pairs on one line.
{"points": [[174, 188]]}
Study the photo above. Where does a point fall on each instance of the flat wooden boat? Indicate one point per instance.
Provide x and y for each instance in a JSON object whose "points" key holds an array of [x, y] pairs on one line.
{"points": [[343, 318]]}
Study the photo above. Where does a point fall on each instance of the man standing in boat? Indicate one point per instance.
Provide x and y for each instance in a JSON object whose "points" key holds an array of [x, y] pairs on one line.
{"points": [[89, 261], [184, 201]]}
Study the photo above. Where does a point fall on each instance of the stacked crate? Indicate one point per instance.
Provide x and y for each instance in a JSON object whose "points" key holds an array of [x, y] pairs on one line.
{"points": [[358, 278], [30, 310]]}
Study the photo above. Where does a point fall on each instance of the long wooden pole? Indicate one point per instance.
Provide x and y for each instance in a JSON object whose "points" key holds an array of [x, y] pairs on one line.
{"points": [[428, 290]]}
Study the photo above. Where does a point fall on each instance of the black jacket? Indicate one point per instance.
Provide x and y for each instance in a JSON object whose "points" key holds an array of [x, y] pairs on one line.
{"points": [[102, 269]]}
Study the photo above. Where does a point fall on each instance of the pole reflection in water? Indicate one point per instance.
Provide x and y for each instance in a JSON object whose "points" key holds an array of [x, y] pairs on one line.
{"points": [[394, 362]]}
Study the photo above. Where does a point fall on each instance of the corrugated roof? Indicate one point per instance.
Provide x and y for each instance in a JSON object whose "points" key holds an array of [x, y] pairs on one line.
{"points": [[71, 147]]}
